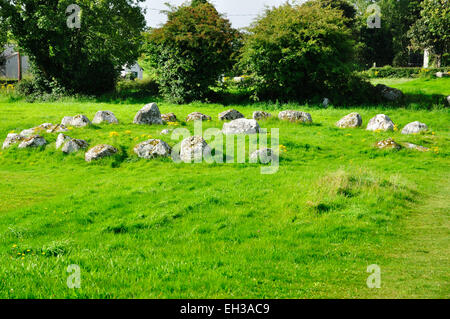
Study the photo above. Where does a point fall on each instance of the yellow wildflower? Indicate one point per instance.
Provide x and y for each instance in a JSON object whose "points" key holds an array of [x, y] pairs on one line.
{"points": [[112, 134]]}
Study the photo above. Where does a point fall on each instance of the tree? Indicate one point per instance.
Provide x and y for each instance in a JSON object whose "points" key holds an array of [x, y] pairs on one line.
{"points": [[432, 30], [297, 52], [191, 50], [82, 60]]}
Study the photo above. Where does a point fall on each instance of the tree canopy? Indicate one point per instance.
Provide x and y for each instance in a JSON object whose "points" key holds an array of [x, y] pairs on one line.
{"points": [[82, 60], [191, 50]]}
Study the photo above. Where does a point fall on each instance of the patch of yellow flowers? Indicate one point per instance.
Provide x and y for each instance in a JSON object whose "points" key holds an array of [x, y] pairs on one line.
{"points": [[283, 148]]}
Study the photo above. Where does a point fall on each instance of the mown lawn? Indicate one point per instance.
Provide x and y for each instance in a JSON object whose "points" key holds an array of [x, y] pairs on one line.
{"points": [[155, 229]]}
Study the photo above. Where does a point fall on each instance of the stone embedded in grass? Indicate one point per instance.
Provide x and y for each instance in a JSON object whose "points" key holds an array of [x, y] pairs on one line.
{"points": [[152, 148], [419, 148], [295, 116], [32, 131], [99, 151], [58, 128], [61, 140], [389, 93], [388, 144], [350, 121], [241, 126], [165, 132], [326, 101], [33, 141], [197, 116], [194, 148], [414, 128], [70, 145], [380, 122], [448, 99], [230, 115], [261, 115], [11, 139], [105, 117], [148, 115], [76, 121], [265, 156], [169, 117]]}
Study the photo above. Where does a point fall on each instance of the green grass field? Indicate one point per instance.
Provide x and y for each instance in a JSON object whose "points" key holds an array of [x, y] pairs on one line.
{"points": [[156, 229]]}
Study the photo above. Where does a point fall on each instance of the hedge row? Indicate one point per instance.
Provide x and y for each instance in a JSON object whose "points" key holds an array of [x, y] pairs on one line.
{"points": [[390, 72]]}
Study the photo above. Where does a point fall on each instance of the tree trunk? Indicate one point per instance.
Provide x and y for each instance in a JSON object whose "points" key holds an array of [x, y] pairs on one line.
{"points": [[438, 60], [426, 58], [19, 67]]}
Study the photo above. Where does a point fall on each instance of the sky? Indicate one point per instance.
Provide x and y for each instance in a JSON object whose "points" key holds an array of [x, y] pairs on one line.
{"points": [[240, 12]]}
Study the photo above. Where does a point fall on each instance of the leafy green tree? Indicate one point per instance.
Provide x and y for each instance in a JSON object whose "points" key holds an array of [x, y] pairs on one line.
{"points": [[191, 50], [82, 60], [297, 52], [432, 30]]}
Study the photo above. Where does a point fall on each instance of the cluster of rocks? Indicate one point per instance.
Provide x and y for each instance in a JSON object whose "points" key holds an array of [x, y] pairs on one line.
{"points": [[194, 147]]}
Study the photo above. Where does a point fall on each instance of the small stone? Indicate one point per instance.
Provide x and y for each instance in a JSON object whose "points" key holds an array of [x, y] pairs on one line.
{"points": [[414, 128], [194, 148], [58, 128], [166, 132], [230, 115], [442, 74], [169, 117], [388, 144], [261, 115], [351, 120], [105, 117], [295, 116], [197, 116], [99, 151], [33, 141], [416, 147], [326, 102], [448, 99], [149, 115], [265, 156], [380, 122], [152, 148], [11, 139], [241, 126]]}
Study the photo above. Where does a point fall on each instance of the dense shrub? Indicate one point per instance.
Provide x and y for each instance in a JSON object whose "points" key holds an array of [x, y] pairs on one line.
{"points": [[300, 52], [390, 72], [147, 87], [191, 51]]}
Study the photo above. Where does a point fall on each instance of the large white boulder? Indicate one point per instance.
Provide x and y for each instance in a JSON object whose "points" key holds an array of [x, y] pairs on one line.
{"points": [[414, 127], [241, 126], [70, 145], [99, 151], [149, 115], [33, 141], [194, 148], [351, 120], [197, 116], [105, 117], [295, 116], [261, 115], [76, 121], [380, 122], [152, 148], [11, 139], [230, 115]]}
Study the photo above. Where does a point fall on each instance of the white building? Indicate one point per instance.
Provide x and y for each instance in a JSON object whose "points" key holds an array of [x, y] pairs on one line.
{"points": [[9, 67], [135, 69], [9, 63]]}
